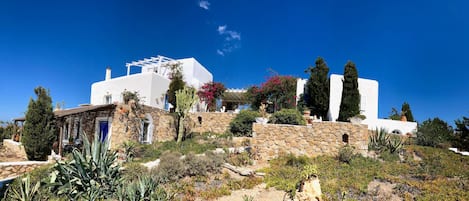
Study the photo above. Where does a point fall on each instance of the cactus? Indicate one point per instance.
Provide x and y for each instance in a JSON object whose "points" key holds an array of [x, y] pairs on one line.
{"points": [[185, 99]]}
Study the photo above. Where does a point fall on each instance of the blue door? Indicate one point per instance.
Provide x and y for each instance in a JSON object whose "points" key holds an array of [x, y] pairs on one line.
{"points": [[103, 130]]}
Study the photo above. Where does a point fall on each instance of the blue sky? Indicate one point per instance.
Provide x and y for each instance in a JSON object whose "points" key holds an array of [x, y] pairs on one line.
{"points": [[417, 50]]}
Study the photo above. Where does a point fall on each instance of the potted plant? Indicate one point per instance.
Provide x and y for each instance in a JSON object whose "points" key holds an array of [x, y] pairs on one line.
{"points": [[262, 111]]}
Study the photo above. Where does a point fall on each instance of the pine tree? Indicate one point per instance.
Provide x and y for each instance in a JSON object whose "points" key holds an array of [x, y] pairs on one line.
{"points": [[350, 103], [317, 89], [177, 83], [39, 132], [407, 112]]}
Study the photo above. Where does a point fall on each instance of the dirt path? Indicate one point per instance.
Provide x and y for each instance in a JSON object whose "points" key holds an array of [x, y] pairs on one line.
{"points": [[259, 193]]}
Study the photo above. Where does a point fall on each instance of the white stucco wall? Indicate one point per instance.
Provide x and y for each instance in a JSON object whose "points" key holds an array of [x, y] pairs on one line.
{"points": [[369, 97], [300, 87], [194, 73], [390, 125], [368, 104], [150, 86]]}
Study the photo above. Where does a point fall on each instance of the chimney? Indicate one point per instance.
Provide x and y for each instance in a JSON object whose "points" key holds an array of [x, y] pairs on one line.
{"points": [[108, 73]]}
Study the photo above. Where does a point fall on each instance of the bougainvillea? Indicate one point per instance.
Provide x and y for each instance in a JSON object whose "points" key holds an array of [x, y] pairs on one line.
{"points": [[280, 91], [210, 92]]}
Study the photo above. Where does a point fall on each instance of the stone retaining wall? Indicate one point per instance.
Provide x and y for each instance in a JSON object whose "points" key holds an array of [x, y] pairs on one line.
{"points": [[14, 169], [215, 122], [12, 151], [270, 140]]}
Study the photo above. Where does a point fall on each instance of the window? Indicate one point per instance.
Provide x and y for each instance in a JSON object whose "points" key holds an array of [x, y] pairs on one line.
{"points": [[146, 131], [396, 131], [66, 135], [107, 99], [345, 138]]}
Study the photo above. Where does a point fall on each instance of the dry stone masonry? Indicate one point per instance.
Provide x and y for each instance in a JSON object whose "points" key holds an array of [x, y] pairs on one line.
{"points": [[270, 140], [14, 169], [214, 122]]}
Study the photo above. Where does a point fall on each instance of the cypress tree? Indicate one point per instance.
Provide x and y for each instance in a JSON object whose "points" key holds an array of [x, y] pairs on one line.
{"points": [[407, 112], [350, 103], [39, 132], [177, 83], [317, 89]]}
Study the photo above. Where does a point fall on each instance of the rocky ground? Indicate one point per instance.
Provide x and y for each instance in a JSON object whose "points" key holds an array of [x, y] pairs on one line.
{"points": [[258, 193]]}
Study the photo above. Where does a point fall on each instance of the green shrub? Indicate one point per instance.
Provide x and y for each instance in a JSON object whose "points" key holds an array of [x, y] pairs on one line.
{"points": [[241, 159], [196, 165], [241, 125], [296, 161], [132, 171], [171, 167], [285, 172], [146, 153], [346, 154], [433, 132], [215, 162], [287, 116], [388, 156], [245, 183]]}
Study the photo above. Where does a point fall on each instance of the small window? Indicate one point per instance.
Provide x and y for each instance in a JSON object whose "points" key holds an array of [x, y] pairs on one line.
{"points": [[108, 99], [200, 120], [146, 130], [345, 138], [66, 135], [396, 131]]}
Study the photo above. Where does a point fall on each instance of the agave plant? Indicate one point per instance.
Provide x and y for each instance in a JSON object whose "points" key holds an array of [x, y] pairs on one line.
{"points": [[145, 188], [378, 140], [27, 191], [129, 150], [91, 174], [395, 144]]}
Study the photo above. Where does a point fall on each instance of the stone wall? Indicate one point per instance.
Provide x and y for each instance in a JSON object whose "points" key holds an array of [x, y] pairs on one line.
{"points": [[270, 140], [164, 125], [14, 169], [12, 151], [215, 122], [164, 128]]}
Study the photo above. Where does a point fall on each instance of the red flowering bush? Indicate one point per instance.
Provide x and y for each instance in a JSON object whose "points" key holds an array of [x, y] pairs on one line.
{"points": [[210, 92], [278, 90]]}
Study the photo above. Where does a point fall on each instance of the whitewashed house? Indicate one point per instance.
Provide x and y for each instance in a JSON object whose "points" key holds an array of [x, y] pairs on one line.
{"points": [[152, 82], [368, 105]]}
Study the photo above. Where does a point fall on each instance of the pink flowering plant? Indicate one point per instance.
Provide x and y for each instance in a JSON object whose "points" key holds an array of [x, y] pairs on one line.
{"points": [[210, 92], [278, 90]]}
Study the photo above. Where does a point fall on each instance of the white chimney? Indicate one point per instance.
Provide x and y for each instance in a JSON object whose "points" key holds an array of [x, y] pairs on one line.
{"points": [[108, 73]]}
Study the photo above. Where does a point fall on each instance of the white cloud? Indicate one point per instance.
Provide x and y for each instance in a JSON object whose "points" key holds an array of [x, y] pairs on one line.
{"points": [[221, 29], [204, 4], [230, 35], [231, 42]]}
